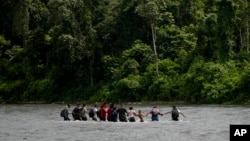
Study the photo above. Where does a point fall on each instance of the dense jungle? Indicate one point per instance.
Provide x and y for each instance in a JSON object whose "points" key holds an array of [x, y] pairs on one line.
{"points": [[194, 51]]}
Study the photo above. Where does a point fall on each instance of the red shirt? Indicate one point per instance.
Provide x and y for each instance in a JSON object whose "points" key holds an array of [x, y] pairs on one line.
{"points": [[103, 112], [109, 113]]}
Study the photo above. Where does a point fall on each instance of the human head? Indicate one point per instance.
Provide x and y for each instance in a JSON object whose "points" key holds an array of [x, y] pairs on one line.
{"points": [[139, 111], [111, 105], [84, 105], [122, 104], [174, 107], [130, 108], [104, 104], [68, 105]]}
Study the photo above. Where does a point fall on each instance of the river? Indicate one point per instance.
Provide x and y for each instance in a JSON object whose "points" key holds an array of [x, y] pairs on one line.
{"points": [[42, 122]]}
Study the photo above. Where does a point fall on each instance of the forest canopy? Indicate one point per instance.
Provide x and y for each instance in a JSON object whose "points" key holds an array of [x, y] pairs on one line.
{"points": [[196, 51]]}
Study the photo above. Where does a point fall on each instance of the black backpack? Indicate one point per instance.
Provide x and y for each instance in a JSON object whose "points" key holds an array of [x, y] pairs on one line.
{"points": [[114, 115], [62, 114], [91, 113], [175, 114]]}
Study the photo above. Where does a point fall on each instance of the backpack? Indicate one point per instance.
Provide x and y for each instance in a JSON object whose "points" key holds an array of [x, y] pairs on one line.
{"points": [[76, 113], [114, 115], [62, 114], [175, 114], [91, 113]]}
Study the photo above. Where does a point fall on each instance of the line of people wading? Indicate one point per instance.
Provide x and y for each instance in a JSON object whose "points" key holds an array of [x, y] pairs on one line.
{"points": [[114, 114]]}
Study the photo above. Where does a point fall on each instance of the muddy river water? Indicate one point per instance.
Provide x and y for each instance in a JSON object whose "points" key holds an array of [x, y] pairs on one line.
{"points": [[42, 122]]}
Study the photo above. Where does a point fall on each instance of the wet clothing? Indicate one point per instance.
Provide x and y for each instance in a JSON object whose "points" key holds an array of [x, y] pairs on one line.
{"points": [[131, 115], [110, 110], [65, 114], [92, 114], [131, 119], [114, 115], [83, 113], [154, 114], [122, 114], [175, 114], [76, 113], [103, 113]]}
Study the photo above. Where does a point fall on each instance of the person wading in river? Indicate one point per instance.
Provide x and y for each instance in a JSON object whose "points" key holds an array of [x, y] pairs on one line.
{"points": [[65, 113], [122, 112], [83, 112], [103, 112], [141, 116], [131, 114], [154, 114], [175, 113], [109, 112], [76, 112]]}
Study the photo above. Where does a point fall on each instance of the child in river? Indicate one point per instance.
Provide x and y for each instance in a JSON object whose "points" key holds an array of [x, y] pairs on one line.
{"points": [[141, 116]]}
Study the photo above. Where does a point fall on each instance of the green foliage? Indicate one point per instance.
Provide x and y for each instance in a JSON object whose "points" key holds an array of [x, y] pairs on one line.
{"points": [[209, 82], [167, 84], [142, 54], [3, 45], [38, 90], [125, 50], [177, 40], [127, 88], [12, 91]]}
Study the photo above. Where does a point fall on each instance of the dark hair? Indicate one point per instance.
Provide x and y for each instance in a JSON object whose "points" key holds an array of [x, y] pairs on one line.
{"points": [[69, 105], [111, 105], [174, 107], [130, 108]]}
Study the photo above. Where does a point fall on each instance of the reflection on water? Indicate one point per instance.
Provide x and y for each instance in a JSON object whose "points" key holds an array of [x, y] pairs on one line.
{"points": [[43, 123]]}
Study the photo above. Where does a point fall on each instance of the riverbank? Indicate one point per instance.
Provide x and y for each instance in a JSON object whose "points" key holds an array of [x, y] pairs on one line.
{"points": [[130, 103]]}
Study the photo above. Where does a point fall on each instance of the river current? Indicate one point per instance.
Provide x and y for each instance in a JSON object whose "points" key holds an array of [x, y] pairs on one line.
{"points": [[42, 122]]}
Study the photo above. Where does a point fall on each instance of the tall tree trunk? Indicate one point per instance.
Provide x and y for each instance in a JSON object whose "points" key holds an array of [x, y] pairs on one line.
{"points": [[154, 45]]}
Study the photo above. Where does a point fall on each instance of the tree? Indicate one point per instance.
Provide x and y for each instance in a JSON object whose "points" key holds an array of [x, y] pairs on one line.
{"points": [[225, 29], [189, 11], [242, 24], [154, 11]]}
